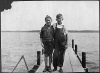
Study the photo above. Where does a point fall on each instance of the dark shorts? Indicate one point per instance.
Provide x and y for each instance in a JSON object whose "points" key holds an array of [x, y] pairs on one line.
{"points": [[48, 46]]}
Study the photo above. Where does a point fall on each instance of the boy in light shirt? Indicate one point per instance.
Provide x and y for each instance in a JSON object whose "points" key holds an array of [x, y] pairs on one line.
{"points": [[61, 43]]}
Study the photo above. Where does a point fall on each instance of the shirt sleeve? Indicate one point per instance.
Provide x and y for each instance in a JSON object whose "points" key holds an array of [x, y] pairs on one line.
{"points": [[41, 33], [66, 33], [54, 25], [52, 30], [65, 30]]}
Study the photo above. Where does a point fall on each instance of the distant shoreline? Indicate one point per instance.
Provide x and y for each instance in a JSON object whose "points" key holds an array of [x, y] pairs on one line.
{"points": [[68, 31]]}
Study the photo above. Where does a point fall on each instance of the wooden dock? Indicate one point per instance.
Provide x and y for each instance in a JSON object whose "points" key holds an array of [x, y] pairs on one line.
{"points": [[71, 63]]}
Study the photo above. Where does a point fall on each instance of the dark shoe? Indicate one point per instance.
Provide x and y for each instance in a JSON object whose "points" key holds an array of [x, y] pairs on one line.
{"points": [[49, 69], [45, 69], [60, 70], [54, 69]]}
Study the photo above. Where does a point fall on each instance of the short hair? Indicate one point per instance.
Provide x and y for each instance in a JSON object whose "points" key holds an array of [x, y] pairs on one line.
{"points": [[48, 17], [59, 15]]}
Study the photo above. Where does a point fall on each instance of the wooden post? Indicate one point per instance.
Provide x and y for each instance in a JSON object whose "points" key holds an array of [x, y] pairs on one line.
{"points": [[84, 59], [17, 63], [75, 49], [25, 64], [42, 51], [73, 43], [38, 57], [86, 70]]}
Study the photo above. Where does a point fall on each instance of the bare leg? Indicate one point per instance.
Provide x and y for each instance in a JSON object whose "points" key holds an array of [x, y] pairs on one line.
{"points": [[60, 70], [45, 59], [50, 60]]}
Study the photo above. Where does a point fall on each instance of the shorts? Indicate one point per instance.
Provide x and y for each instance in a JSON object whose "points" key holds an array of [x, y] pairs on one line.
{"points": [[48, 46]]}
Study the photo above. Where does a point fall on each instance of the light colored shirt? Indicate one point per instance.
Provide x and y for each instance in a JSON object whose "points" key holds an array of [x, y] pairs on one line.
{"points": [[60, 26]]}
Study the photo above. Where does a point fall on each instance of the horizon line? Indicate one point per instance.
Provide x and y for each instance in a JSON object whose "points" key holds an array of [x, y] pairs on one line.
{"points": [[40, 30]]}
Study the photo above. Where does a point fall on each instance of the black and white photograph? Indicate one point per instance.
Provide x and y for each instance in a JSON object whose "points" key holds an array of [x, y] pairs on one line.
{"points": [[49, 36]]}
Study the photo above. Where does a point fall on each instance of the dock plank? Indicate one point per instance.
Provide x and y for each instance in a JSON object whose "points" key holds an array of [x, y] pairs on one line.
{"points": [[41, 68], [67, 66], [76, 65]]}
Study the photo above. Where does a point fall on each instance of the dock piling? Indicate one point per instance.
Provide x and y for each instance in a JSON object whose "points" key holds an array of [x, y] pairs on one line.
{"points": [[42, 51], [84, 59], [73, 43], [38, 57], [75, 49], [86, 70]]}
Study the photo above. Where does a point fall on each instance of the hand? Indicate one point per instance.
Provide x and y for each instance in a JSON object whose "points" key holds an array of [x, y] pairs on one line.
{"points": [[42, 51], [42, 45], [66, 46]]}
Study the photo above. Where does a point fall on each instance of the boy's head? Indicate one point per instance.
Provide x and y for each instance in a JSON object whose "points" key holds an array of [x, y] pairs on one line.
{"points": [[59, 18], [48, 20]]}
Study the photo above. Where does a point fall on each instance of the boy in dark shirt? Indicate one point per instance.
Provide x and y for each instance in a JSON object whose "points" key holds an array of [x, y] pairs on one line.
{"points": [[47, 42]]}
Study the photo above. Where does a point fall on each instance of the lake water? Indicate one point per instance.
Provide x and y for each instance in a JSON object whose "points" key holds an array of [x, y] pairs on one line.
{"points": [[16, 44]]}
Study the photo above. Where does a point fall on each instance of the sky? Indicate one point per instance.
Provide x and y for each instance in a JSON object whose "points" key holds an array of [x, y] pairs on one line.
{"points": [[30, 15]]}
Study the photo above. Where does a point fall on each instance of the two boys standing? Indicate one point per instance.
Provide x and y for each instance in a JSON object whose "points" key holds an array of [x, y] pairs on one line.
{"points": [[54, 37]]}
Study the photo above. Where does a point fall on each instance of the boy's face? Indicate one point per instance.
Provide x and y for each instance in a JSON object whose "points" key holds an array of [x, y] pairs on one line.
{"points": [[48, 21], [59, 20]]}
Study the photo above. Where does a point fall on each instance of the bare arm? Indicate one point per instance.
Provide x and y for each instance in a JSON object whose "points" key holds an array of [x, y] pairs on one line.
{"points": [[41, 36], [41, 42], [66, 32]]}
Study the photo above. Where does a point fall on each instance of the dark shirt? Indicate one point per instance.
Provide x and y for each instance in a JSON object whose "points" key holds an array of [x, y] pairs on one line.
{"points": [[50, 34]]}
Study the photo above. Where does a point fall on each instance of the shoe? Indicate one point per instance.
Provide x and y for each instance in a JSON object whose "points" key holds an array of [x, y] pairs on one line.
{"points": [[54, 69], [45, 69], [60, 70], [49, 69]]}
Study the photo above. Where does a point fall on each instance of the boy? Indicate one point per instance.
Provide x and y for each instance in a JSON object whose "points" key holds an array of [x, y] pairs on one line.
{"points": [[47, 42], [61, 43]]}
